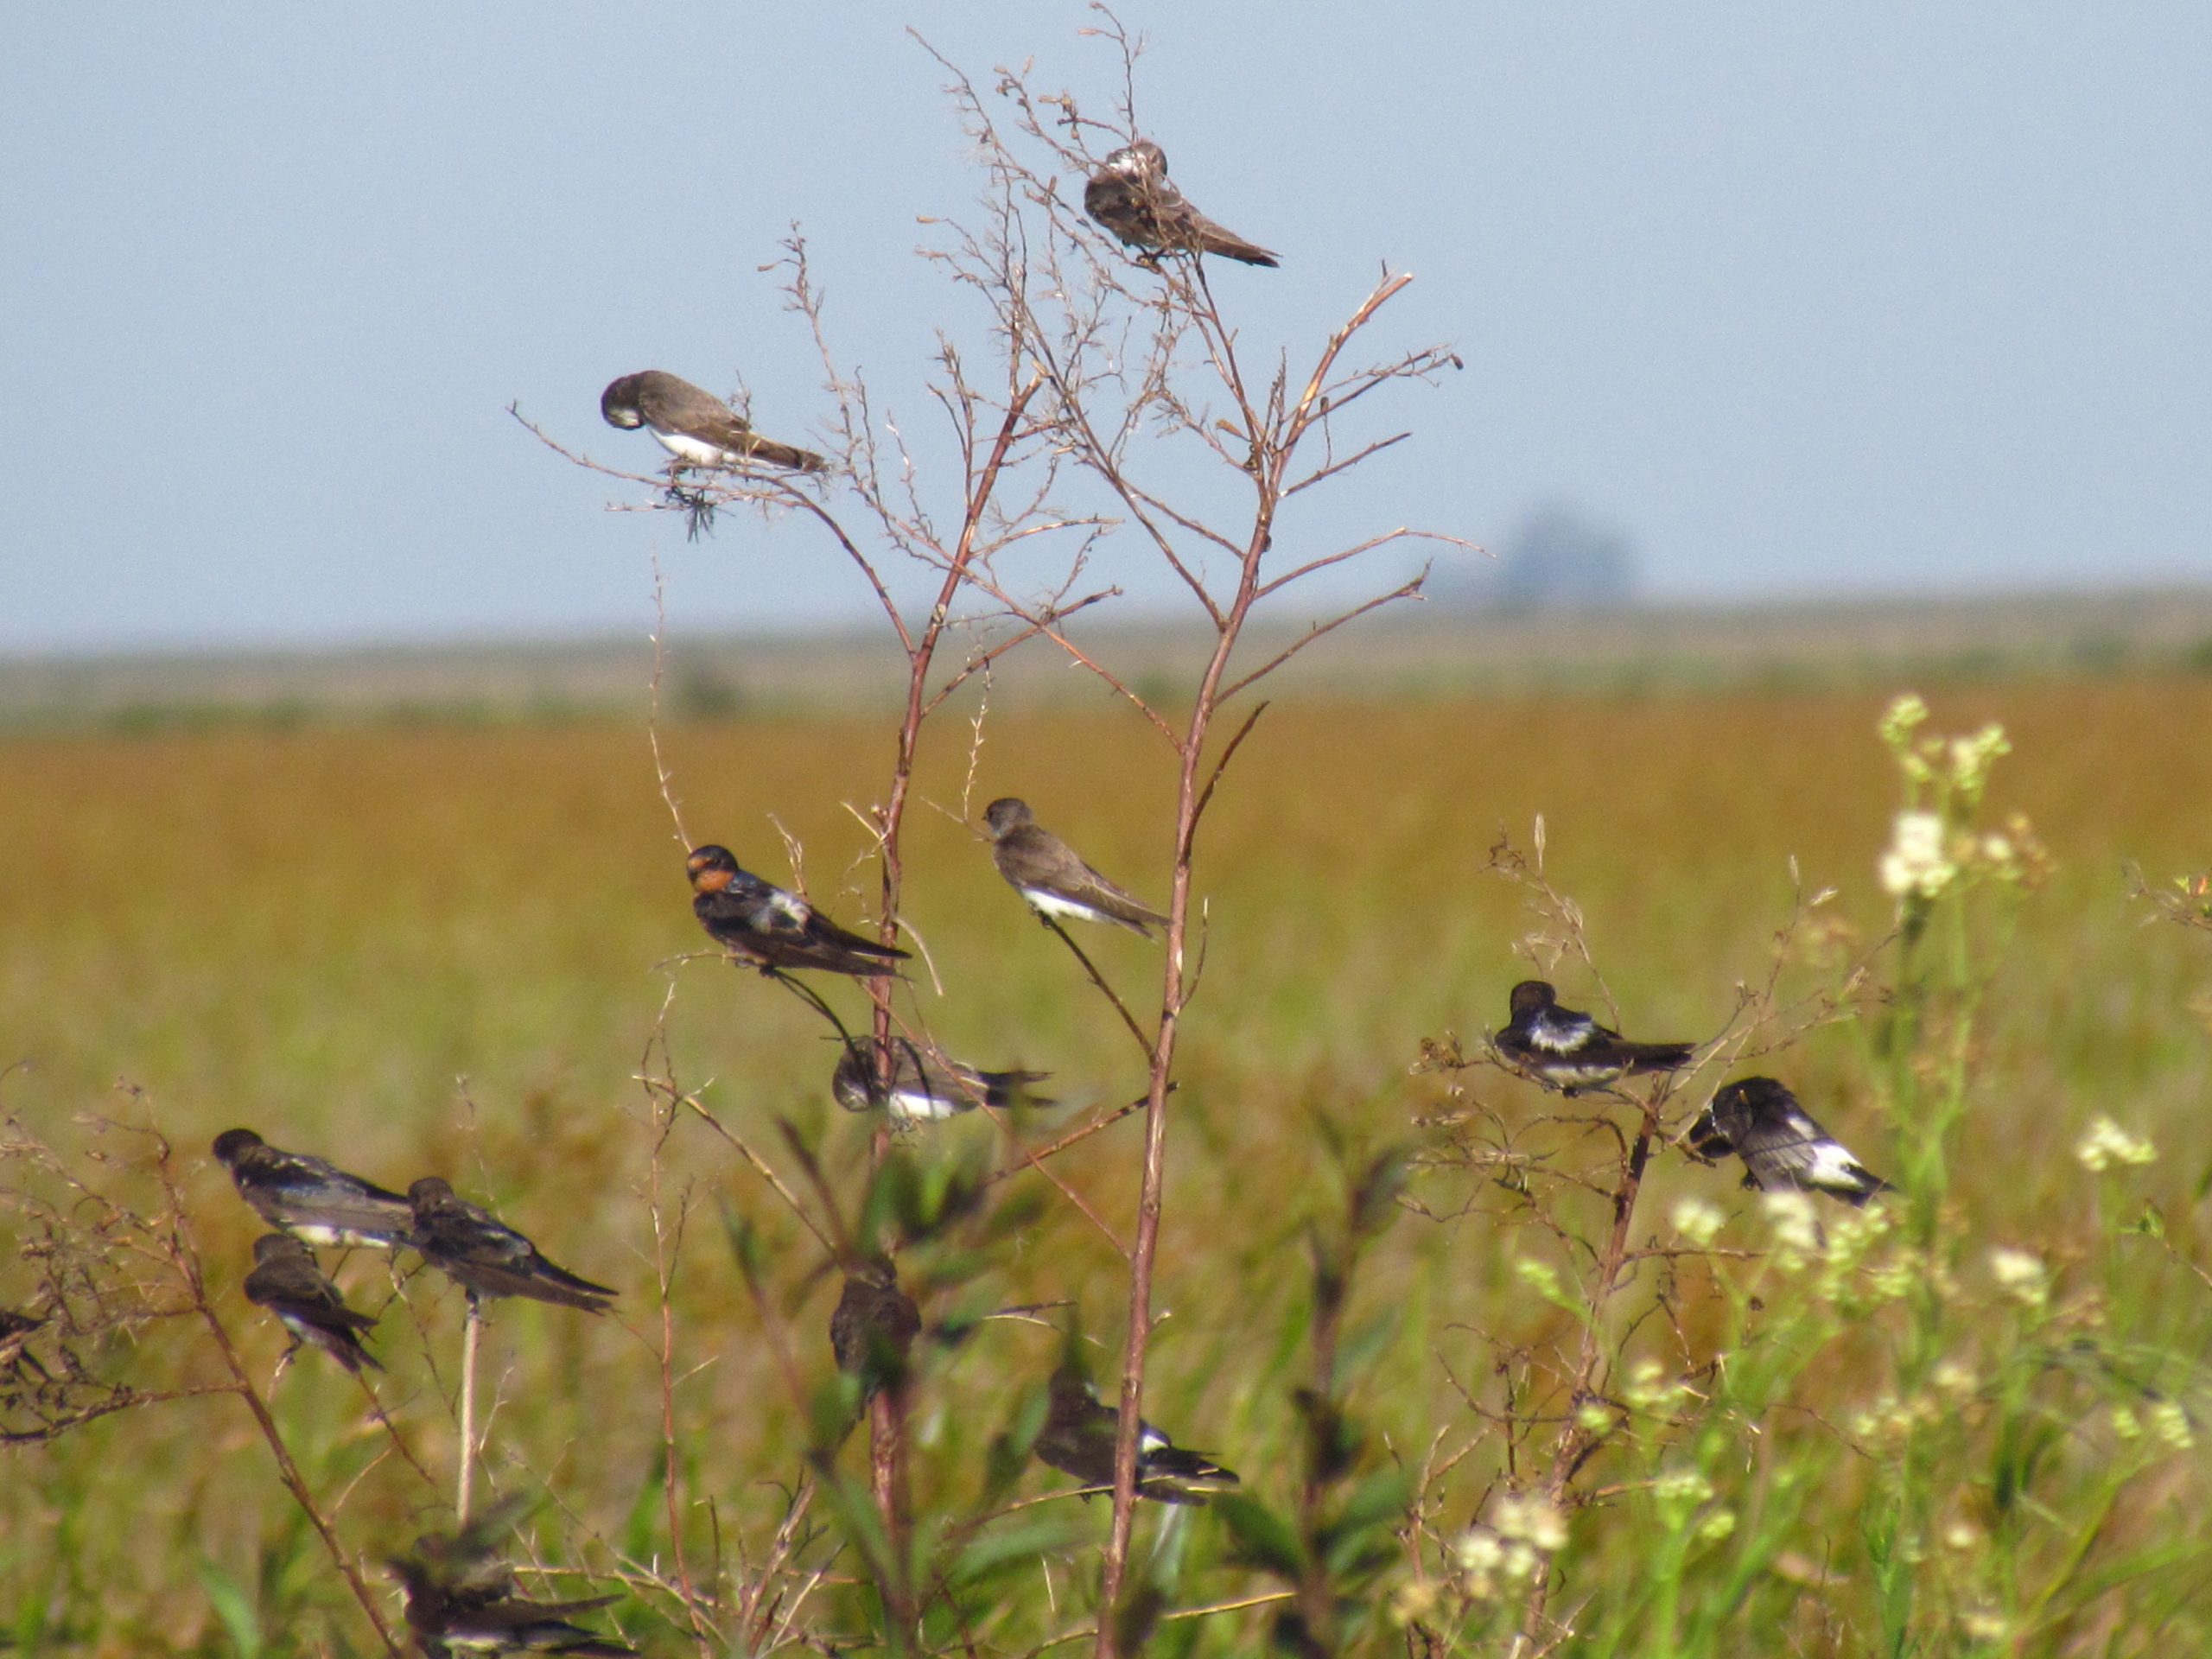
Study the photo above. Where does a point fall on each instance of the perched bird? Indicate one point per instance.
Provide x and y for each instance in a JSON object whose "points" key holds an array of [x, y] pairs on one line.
{"points": [[487, 1257], [874, 1325], [461, 1599], [286, 1280], [1760, 1121], [1045, 870], [1131, 196], [760, 923], [695, 426], [1078, 1439], [925, 1085], [311, 1199], [1571, 1051]]}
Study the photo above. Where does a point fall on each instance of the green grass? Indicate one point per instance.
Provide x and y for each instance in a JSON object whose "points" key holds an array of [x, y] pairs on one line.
{"points": [[445, 948]]}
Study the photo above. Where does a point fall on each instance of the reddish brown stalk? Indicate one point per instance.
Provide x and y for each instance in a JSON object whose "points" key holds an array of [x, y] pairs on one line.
{"points": [[887, 1425], [1273, 447], [287, 1471]]}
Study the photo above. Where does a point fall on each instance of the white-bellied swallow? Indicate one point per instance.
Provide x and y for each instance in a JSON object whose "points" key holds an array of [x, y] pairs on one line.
{"points": [[1132, 196], [1045, 870], [1782, 1148], [694, 425], [1571, 1051]]}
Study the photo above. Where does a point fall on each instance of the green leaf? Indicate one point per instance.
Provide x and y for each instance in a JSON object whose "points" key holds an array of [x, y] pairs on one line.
{"points": [[235, 1608]]}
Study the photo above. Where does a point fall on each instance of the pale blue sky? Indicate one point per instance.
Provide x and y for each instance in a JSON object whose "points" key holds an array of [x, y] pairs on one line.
{"points": [[1858, 297]]}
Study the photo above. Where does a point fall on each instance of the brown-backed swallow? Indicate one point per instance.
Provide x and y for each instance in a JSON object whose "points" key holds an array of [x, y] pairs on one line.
{"points": [[1571, 1051], [1782, 1147], [487, 1257], [760, 923], [925, 1086], [286, 1280], [1078, 1436], [874, 1325], [1045, 870], [311, 1199], [695, 426], [1131, 195]]}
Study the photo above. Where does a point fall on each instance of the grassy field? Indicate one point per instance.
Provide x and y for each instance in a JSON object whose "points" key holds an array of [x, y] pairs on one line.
{"points": [[445, 948]]}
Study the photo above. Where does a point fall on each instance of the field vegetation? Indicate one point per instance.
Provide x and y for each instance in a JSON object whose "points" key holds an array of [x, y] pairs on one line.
{"points": [[426, 950]]}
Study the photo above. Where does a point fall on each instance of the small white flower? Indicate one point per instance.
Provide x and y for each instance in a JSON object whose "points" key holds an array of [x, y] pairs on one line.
{"points": [[1716, 1526], [1917, 862], [1685, 1487], [1480, 1551], [2021, 1276], [1960, 1535], [2106, 1143], [1797, 1228], [1521, 1562], [1534, 1518], [2124, 1424], [1697, 1220], [1956, 1378], [1904, 713]]}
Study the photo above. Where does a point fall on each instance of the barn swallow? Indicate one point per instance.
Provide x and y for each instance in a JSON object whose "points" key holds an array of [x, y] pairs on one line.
{"points": [[695, 426], [760, 923], [1078, 1439], [311, 1199], [286, 1280], [874, 1325], [487, 1257], [925, 1086], [479, 1610], [1131, 196], [1571, 1051], [1782, 1147], [1045, 870]]}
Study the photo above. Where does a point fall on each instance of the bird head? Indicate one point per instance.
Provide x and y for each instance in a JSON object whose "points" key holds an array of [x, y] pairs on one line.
{"points": [[711, 869], [1006, 813], [233, 1144]]}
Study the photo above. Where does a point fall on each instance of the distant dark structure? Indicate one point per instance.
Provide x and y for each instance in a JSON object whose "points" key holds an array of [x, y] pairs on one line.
{"points": [[1557, 559], [1560, 560]]}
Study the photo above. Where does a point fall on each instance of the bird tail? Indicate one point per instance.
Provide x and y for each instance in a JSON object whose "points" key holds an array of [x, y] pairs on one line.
{"points": [[786, 454], [1658, 1057], [1212, 239], [1187, 1470]]}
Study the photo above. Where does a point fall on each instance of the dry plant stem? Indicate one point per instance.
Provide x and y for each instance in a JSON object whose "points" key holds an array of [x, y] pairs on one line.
{"points": [[1576, 1444], [1144, 1043], [286, 1470], [666, 1249], [1271, 452], [472, 1323], [886, 1422]]}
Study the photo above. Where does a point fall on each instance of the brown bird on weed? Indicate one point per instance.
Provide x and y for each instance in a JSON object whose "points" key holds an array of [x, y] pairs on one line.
{"points": [[1571, 1051], [1045, 870], [309, 1198], [487, 1257], [874, 1325], [775, 930], [1130, 195], [925, 1086], [1078, 1437], [286, 1280], [694, 425]]}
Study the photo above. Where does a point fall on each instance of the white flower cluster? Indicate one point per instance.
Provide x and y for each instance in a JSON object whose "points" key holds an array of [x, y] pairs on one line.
{"points": [[1698, 1220], [1917, 864], [1797, 1228], [2021, 1276], [2106, 1144], [1522, 1532]]}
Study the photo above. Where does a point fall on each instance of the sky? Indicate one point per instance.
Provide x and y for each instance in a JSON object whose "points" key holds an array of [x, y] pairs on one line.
{"points": [[1853, 299]]}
